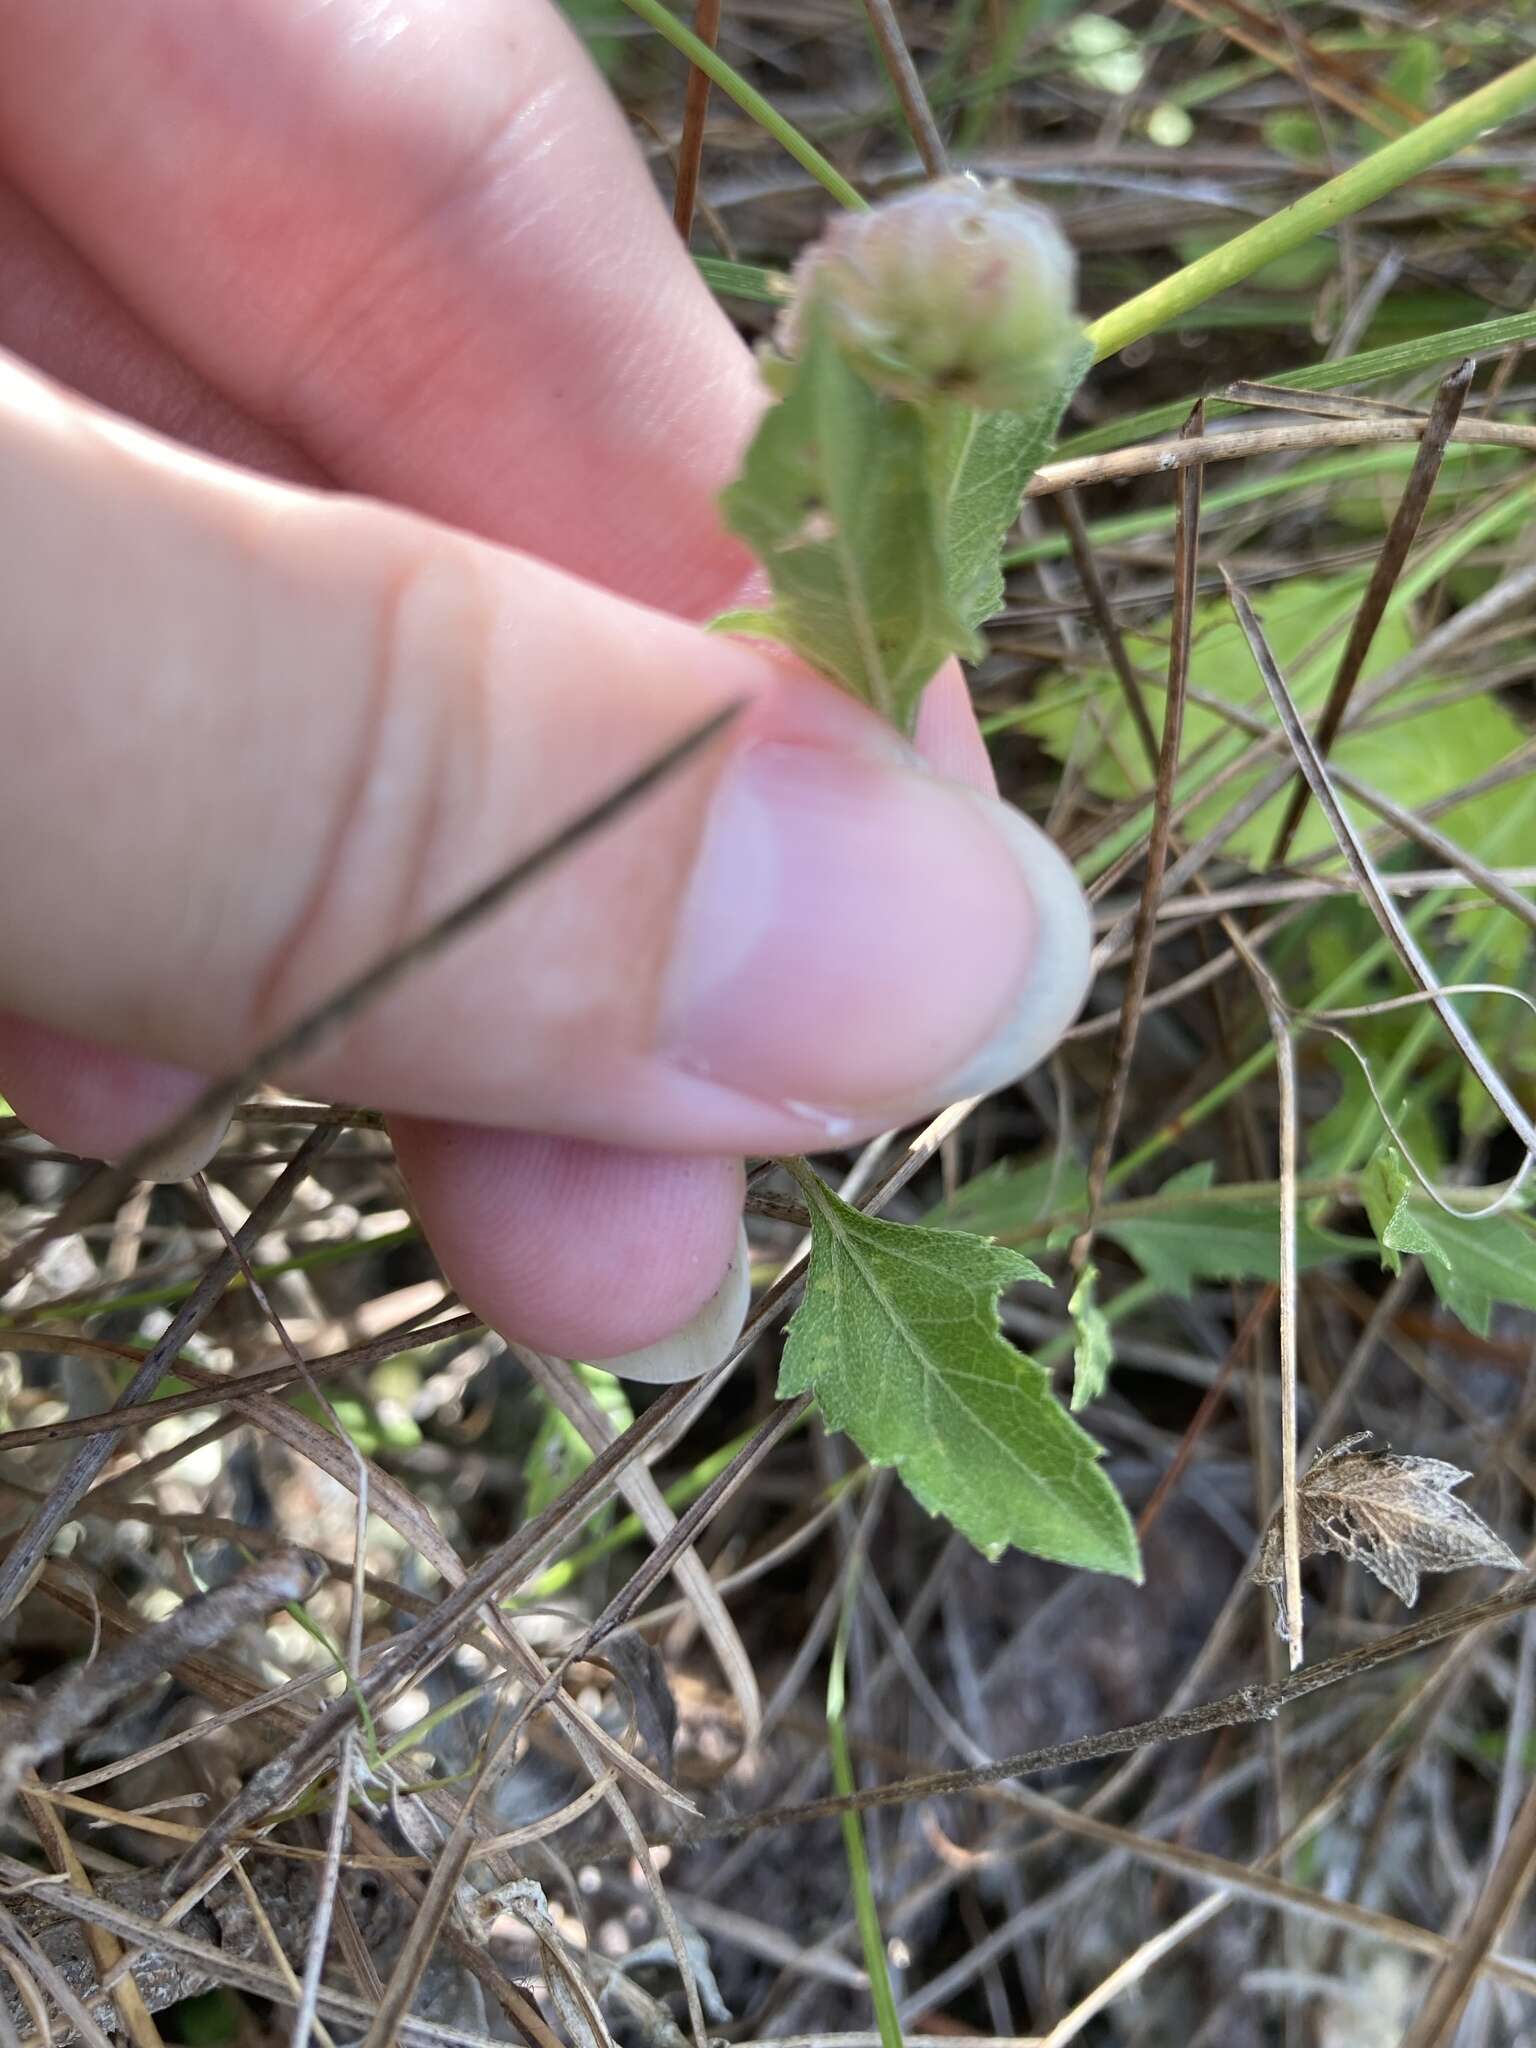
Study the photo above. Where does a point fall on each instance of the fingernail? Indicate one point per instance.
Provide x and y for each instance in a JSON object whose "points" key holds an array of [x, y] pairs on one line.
{"points": [[703, 1343], [189, 1150], [864, 937]]}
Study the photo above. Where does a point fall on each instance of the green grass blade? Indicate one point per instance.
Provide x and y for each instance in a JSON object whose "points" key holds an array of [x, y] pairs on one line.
{"points": [[866, 1910], [750, 101], [744, 280], [1373, 366], [1372, 178]]}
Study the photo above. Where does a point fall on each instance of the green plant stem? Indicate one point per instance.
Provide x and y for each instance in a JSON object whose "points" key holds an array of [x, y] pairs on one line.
{"points": [[866, 1911], [751, 102], [754, 281], [1370, 179], [299, 1613], [1338, 1187], [1339, 990]]}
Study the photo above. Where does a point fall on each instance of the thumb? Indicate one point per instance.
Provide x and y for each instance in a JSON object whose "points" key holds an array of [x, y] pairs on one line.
{"points": [[298, 728]]}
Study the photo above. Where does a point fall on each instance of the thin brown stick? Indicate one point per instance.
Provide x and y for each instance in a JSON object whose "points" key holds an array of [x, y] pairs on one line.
{"points": [[1209, 903], [216, 1965], [1186, 549], [1248, 1704], [1209, 1403], [1285, 1077], [1441, 2010], [516, 2003], [106, 1951], [1323, 405], [88, 1691], [1389, 566], [1415, 825], [30, 1968], [1511, 593], [209, 1389], [902, 72], [564, 1389], [1070, 513], [690, 154], [1247, 32], [1242, 1882], [412, 1652], [306, 2014], [279, 1782]]}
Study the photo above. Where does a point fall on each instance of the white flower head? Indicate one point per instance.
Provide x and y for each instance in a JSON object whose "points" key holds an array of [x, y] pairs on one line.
{"points": [[955, 290]]}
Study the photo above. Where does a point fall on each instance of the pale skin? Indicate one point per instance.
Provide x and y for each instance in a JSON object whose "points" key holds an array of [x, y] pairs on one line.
{"points": [[363, 422]]}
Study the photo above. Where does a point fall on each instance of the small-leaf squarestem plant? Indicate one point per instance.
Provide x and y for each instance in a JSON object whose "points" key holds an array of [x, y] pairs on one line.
{"points": [[920, 374]]}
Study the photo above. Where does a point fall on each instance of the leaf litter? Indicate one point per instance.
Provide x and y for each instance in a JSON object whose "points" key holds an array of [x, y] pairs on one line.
{"points": [[1395, 1514]]}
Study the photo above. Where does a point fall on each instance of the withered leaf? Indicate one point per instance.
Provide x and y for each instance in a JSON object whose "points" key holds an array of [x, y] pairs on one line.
{"points": [[1396, 1515]]}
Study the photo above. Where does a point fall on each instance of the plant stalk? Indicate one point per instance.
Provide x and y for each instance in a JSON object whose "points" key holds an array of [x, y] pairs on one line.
{"points": [[1371, 179]]}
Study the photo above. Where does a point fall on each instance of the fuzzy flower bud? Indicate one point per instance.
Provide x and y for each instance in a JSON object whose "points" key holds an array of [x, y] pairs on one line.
{"points": [[956, 290]]}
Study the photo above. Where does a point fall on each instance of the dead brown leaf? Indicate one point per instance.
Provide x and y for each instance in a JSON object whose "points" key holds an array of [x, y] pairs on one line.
{"points": [[1394, 1514]]}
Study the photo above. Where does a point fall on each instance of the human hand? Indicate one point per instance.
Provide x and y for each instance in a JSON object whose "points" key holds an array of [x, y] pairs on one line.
{"points": [[404, 268]]}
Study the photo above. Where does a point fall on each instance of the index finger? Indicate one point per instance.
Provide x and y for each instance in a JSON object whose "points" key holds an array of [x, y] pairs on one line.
{"points": [[421, 241]]}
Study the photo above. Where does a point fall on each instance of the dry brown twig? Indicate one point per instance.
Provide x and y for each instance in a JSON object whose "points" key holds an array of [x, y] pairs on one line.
{"points": [[89, 1691], [1411, 507], [908, 86], [690, 154], [1144, 937], [1241, 1708], [26, 1553]]}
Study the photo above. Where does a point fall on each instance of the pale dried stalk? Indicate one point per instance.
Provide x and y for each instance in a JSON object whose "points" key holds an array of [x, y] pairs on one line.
{"points": [[1447, 1996], [106, 1951], [1160, 457], [1285, 1087], [563, 1387]]}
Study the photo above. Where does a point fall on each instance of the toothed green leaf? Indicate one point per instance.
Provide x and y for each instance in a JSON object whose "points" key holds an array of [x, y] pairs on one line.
{"points": [[898, 1337]]}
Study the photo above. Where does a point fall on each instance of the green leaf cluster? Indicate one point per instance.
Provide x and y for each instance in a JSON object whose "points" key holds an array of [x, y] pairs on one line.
{"points": [[1193, 1231], [1190, 1232], [1412, 758], [1471, 1261], [880, 522]]}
